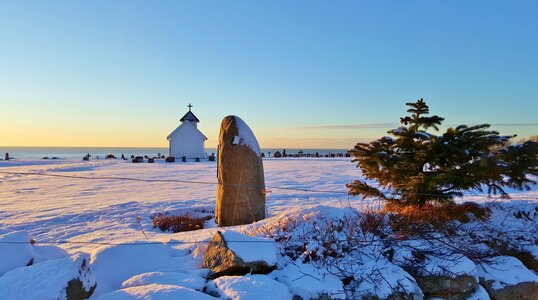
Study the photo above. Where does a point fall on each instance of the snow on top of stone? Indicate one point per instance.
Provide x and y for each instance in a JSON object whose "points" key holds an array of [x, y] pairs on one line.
{"points": [[155, 291], [451, 265], [310, 282], [395, 279], [249, 287], [246, 136], [505, 270], [45, 280], [249, 248], [112, 265], [15, 255], [192, 280]]}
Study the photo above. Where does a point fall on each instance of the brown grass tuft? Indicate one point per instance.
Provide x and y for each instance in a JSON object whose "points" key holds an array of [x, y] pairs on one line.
{"points": [[409, 220], [178, 223]]}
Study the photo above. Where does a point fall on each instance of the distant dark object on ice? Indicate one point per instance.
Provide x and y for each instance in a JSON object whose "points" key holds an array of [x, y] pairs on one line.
{"points": [[45, 157], [184, 159], [151, 160], [277, 154], [170, 159], [211, 157], [86, 157], [110, 156], [138, 159]]}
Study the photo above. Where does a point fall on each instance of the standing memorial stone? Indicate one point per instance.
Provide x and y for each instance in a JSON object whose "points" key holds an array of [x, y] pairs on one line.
{"points": [[241, 188]]}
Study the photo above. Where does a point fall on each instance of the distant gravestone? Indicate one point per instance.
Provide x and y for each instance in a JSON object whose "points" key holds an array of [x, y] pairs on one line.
{"points": [[241, 188]]}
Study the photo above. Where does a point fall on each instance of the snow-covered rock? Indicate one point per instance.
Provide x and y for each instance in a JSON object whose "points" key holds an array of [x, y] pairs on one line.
{"points": [[309, 282], [113, 265], [192, 280], [16, 251], [65, 278], [232, 253], [380, 279], [505, 277], [46, 252], [155, 292], [250, 287]]}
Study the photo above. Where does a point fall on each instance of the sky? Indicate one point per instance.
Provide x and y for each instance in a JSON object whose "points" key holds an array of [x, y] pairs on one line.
{"points": [[302, 74]]}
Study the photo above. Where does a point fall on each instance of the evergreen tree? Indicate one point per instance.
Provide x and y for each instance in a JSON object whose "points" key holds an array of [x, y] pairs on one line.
{"points": [[415, 166]]}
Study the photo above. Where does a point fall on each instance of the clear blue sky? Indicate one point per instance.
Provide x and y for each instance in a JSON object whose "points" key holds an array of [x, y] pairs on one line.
{"points": [[300, 73]]}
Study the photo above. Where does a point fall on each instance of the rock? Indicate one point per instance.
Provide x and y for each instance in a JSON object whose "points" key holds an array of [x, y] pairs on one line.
{"points": [[66, 278], [170, 159], [505, 277], [138, 159], [259, 257], [16, 251], [447, 287], [523, 291], [241, 188]]}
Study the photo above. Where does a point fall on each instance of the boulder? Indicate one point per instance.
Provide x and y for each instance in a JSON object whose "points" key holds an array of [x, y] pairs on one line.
{"points": [[231, 253], [452, 276], [505, 277], [66, 278], [16, 251], [447, 287], [241, 188]]}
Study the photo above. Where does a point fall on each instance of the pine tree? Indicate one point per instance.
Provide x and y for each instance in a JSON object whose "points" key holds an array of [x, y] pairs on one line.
{"points": [[415, 166]]}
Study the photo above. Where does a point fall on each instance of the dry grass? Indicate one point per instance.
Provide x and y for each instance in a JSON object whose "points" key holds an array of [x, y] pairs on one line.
{"points": [[410, 220], [178, 223]]}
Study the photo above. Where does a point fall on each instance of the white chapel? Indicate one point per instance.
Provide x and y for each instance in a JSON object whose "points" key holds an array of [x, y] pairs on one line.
{"points": [[186, 140]]}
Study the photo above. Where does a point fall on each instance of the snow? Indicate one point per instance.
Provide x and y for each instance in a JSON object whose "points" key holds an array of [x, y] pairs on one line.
{"points": [[249, 287], [310, 282], [393, 279], [479, 294], [114, 265], [156, 292], [246, 136], [451, 265], [46, 280], [95, 212], [505, 270], [15, 255], [241, 245], [192, 280]]}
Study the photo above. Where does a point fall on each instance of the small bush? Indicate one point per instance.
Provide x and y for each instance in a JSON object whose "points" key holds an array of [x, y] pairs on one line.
{"points": [[178, 223]]}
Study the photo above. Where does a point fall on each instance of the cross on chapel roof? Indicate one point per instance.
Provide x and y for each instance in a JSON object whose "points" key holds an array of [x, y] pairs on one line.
{"points": [[189, 116]]}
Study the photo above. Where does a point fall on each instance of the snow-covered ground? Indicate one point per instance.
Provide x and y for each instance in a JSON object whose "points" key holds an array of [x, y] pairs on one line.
{"points": [[91, 213], [51, 208]]}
